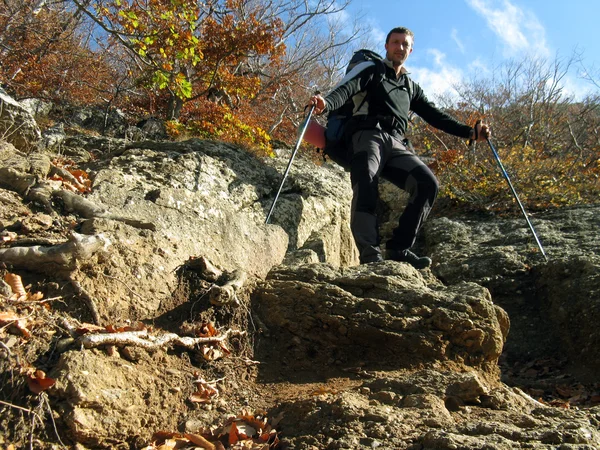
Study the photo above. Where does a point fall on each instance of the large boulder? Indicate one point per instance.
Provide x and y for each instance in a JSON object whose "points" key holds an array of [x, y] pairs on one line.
{"points": [[17, 125], [384, 316]]}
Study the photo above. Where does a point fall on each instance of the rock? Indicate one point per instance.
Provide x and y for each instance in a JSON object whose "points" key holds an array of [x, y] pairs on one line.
{"points": [[386, 315], [17, 125], [334, 354]]}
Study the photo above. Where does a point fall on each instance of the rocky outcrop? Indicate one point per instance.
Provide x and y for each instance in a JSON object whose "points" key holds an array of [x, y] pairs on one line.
{"points": [[17, 125], [382, 316], [337, 355]]}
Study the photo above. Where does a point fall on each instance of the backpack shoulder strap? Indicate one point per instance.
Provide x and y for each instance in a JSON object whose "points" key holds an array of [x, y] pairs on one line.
{"points": [[409, 86]]}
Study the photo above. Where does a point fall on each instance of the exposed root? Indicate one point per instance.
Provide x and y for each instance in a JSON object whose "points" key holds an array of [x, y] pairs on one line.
{"points": [[227, 293], [144, 340], [34, 188], [225, 286], [60, 257], [89, 301]]}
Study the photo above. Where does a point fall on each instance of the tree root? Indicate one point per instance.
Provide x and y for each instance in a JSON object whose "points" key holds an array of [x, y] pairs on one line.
{"points": [[89, 301], [144, 340], [60, 257], [225, 286], [32, 188], [227, 293]]}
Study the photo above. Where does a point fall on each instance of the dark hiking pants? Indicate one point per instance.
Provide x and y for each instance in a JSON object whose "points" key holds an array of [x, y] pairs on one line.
{"points": [[376, 153]]}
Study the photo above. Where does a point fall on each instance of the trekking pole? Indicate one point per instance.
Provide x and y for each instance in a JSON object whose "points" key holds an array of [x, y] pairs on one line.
{"points": [[302, 131], [516, 198]]}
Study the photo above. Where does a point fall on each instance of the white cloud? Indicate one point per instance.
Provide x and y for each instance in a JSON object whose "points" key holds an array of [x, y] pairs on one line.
{"points": [[480, 67], [456, 39], [438, 80], [518, 29]]}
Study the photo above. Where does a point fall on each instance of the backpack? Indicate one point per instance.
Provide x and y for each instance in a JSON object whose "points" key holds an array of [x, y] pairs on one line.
{"points": [[336, 145], [335, 131]]}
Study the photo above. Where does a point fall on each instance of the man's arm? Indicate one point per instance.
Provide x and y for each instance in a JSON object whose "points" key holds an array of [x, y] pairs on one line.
{"points": [[354, 82], [429, 112]]}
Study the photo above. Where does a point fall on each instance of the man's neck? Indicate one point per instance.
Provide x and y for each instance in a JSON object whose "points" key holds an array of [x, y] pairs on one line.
{"points": [[398, 68]]}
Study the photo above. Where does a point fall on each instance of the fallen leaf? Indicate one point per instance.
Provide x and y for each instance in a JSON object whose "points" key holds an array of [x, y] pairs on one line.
{"points": [[89, 328], [16, 284], [38, 382], [233, 434], [8, 318], [207, 330], [200, 441], [211, 353], [34, 297]]}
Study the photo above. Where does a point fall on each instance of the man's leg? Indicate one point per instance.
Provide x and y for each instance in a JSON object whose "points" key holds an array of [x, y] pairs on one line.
{"points": [[409, 173], [364, 174]]}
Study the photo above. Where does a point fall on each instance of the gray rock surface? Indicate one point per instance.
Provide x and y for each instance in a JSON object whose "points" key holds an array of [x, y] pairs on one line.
{"points": [[17, 125]]}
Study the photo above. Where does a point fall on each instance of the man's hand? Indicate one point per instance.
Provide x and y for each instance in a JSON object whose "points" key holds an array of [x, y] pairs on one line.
{"points": [[319, 102], [481, 132]]}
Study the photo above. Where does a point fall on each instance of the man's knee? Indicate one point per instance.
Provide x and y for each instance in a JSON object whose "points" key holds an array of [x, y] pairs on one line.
{"points": [[422, 186]]}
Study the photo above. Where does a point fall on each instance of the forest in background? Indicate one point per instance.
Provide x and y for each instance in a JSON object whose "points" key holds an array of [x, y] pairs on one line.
{"points": [[241, 70]]}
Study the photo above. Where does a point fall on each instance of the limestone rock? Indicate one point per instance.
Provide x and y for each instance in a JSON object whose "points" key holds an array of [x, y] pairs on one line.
{"points": [[17, 125]]}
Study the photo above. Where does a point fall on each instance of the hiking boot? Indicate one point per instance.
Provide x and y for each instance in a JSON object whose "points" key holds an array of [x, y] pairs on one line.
{"points": [[418, 262], [372, 258], [369, 254]]}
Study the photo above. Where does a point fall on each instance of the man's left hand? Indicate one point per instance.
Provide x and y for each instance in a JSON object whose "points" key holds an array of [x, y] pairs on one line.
{"points": [[482, 131]]}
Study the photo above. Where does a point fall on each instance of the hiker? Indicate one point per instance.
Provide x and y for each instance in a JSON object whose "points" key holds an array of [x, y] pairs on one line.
{"points": [[375, 138]]}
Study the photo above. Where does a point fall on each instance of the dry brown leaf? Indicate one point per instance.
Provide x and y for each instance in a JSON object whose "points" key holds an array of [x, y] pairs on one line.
{"points": [[205, 392], [259, 425], [16, 284], [199, 440], [38, 382], [89, 328], [207, 330], [233, 434], [138, 326], [34, 297], [560, 404], [211, 353], [161, 436], [83, 178], [8, 318]]}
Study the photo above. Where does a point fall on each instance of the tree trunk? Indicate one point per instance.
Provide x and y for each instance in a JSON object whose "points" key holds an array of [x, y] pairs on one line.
{"points": [[175, 105]]}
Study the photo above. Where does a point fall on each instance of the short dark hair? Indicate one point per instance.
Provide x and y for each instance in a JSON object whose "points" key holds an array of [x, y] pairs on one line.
{"points": [[402, 30]]}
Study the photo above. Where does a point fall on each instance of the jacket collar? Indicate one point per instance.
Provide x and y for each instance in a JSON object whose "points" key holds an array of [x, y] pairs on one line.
{"points": [[391, 64]]}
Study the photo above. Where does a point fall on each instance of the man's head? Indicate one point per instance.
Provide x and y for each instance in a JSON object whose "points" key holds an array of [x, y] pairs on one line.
{"points": [[400, 30], [398, 45]]}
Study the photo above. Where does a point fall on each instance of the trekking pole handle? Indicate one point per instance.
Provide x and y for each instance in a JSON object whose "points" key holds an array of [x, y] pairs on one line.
{"points": [[474, 138]]}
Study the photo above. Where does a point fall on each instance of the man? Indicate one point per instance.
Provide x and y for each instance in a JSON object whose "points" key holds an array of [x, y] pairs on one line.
{"points": [[377, 148]]}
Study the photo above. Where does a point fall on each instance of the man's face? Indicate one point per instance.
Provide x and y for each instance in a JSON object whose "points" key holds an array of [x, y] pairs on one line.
{"points": [[398, 48]]}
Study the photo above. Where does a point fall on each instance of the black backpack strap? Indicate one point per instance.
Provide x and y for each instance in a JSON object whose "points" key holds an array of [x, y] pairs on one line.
{"points": [[409, 86], [377, 79]]}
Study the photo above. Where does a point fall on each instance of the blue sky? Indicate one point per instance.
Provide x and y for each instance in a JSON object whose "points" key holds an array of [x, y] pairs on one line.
{"points": [[455, 39]]}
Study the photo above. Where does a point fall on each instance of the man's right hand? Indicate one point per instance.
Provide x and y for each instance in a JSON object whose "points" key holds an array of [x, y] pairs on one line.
{"points": [[319, 102]]}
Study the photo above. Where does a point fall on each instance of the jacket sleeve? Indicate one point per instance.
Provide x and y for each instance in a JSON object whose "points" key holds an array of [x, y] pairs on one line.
{"points": [[355, 81], [437, 118]]}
